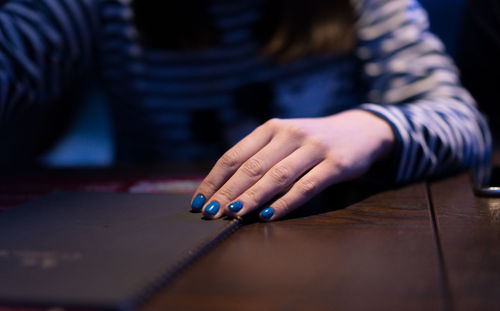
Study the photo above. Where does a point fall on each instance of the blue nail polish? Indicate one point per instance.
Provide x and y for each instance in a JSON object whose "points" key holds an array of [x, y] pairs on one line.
{"points": [[198, 202], [267, 213], [235, 206], [212, 208]]}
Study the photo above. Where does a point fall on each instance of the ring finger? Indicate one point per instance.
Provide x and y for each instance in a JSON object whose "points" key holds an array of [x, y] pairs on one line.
{"points": [[248, 174], [276, 180]]}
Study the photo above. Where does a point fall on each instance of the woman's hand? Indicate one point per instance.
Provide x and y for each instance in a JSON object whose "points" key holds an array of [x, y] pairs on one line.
{"points": [[296, 158]]}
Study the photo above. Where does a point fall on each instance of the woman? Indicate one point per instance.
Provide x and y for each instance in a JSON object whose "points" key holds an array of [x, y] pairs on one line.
{"points": [[354, 86]]}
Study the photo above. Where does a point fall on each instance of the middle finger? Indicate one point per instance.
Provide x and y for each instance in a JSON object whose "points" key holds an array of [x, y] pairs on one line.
{"points": [[248, 174], [279, 178]]}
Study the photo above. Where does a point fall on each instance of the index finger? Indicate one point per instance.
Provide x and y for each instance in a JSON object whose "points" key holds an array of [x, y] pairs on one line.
{"points": [[227, 165]]}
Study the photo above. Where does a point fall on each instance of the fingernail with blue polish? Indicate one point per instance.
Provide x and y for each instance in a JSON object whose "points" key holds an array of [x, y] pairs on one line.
{"points": [[235, 206], [198, 202], [212, 208], [267, 213]]}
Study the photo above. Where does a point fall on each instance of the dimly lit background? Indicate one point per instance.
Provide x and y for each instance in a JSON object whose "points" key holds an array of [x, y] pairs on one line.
{"points": [[89, 140]]}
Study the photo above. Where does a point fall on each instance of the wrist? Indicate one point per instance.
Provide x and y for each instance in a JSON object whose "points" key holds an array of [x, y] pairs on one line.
{"points": [[380, 136]]}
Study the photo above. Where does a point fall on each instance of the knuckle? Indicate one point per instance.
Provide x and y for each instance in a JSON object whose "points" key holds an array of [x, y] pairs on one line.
{"points": [[283, 205], [348, 167], [209, 186], [294, 132], [308, 188], [317, 144], [340, 163], [225, 193], [281, 174], [253, 197], [253, 167], [273, 123], [230, 159]]}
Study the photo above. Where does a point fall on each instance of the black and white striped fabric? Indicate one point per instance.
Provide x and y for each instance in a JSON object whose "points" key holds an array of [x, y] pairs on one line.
{"points": [[170, 105]]}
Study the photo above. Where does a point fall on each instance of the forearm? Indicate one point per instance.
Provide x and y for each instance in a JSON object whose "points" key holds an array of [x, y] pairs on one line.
{"points": [[435, 138], [415, 87], [44, 46], [379, 137]]}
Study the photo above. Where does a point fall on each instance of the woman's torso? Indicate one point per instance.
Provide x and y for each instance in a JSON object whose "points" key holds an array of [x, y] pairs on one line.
{"points": [[173, 105]]}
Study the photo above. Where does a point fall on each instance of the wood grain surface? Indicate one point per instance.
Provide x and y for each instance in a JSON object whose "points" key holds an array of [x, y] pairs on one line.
{"points": [[469, 231], [376, 254], [353, 248]]}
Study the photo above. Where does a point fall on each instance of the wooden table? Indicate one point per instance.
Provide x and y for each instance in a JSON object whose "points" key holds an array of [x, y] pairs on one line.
{"points": [[427, 246]]}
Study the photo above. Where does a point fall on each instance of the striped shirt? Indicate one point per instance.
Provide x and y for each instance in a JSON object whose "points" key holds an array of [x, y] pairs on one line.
{"points": [[171, 105]]}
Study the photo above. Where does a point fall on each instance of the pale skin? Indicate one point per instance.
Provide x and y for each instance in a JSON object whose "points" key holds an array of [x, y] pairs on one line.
{"points": [[291, 160]]}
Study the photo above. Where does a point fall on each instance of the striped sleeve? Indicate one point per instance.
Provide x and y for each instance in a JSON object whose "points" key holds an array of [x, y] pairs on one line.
{"points": [[414, 86], [44, 44]]}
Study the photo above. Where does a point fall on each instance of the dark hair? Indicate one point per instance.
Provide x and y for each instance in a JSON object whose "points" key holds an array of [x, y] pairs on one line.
{"points": [[288, 29]]}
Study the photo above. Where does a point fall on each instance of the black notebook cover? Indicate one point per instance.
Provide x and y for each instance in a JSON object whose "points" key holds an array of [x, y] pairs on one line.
{"points": [[104, 250]]}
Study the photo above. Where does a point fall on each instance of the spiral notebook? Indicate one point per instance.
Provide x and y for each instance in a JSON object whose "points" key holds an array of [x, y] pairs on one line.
{"points": [[99, 250]]}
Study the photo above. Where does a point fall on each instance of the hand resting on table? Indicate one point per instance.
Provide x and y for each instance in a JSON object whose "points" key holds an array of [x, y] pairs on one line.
{"points": [[290, 161]]}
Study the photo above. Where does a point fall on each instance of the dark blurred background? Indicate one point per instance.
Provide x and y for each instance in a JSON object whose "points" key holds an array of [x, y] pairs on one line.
{"points": [[88, 142]]}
